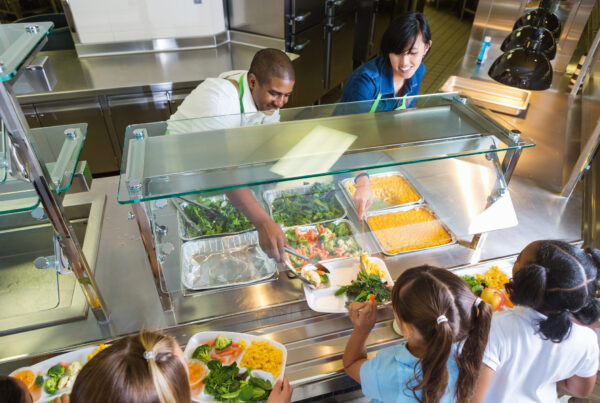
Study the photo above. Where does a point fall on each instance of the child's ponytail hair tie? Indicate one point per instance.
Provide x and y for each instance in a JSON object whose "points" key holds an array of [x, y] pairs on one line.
{"points": [[150, 355], [477, 302], [442, 319]]}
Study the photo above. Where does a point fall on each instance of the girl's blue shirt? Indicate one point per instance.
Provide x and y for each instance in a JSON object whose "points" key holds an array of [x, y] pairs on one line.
{"points": [[376, 77], [384, 377]]}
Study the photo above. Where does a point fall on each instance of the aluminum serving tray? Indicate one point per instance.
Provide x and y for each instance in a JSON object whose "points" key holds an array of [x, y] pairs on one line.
{"points": [[181, 224], [353, 232], [238, 256], [424, 206], [410, 183], [269, 197], [497, 97]]}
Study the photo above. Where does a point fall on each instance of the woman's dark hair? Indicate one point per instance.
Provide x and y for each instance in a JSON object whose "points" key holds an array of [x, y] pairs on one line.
{"points": [[419, 297], [122, 374], [560, 281], [403, 32]]}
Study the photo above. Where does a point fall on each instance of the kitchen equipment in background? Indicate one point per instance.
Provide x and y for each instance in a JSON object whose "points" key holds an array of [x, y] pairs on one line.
{"points": [[541, 17], [524, 67], [497, 97], [521, 37]]}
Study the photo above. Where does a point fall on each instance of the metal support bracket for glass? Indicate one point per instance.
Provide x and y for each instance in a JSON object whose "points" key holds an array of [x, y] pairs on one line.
{"points": [[64, 157], [512, 156], [135, 161], [38, 175], [139, 210]]}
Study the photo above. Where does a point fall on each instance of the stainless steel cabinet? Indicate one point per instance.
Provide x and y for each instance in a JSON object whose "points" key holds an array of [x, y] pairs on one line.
{"points": [[263, 17], [310, 45], [125, 110], [302, 14], [176, 98], [98, 149], [340, 60], [31, 116]]}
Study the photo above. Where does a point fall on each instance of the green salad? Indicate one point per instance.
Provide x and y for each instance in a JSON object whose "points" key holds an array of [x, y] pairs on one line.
{"points": [[226, 384], [318, 204], [230, 220], [365, 287]]}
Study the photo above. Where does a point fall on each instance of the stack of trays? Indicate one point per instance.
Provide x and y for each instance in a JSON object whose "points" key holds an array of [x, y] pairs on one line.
{"points": [[400, 220]]}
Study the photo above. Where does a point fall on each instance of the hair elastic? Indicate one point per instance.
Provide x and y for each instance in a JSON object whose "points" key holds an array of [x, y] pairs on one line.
{"points": [[442, 319], [150, 355], [477, 302]]}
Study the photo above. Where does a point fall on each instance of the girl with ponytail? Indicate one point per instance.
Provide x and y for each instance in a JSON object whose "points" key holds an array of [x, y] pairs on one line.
{"points": [[148, 367], [541, 343], [445, 328]]}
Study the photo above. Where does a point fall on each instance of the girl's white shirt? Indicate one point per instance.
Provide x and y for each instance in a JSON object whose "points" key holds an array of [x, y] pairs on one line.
{"points": [[526, 366]]}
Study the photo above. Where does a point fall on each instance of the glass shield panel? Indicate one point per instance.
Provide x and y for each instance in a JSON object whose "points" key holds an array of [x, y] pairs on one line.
{"points": [[17, 41], [207, 242], [299, 143], [59, 148]]}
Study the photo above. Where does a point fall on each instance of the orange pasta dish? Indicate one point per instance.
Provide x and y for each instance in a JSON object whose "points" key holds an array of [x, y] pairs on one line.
{"points": [[392, 189], [407, 230]]}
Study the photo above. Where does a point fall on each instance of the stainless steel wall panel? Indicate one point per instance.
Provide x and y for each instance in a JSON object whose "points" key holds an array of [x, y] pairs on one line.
{"points": [[264, 17]]}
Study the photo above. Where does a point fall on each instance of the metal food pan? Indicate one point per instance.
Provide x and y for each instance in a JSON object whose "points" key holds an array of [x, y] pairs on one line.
{"points": [[224, 253], [410, 183], [353, 231], [182, 224], [390, 211], [269, 197], [497, 97]]}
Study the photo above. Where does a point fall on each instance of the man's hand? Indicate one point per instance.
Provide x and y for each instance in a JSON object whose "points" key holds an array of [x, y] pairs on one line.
{"points": [[62, 399], [363, 315], [282, 392], [271, 239], [363, 197]]}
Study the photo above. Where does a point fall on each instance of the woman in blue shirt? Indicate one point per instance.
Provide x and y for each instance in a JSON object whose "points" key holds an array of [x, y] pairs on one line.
{"points": [[398, 70]]}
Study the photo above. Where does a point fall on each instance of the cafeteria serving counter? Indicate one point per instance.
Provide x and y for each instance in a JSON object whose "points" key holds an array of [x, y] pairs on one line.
{"points": [[276, 309]]}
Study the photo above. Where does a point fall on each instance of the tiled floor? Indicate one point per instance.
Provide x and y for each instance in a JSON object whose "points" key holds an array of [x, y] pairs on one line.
{"points": [[449, 37]]}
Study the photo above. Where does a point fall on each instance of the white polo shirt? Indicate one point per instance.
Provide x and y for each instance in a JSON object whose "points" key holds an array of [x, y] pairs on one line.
{"points": [[217, 102], [528, 367]]}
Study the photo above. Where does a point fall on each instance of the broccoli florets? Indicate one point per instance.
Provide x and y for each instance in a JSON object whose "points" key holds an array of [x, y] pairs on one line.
{"points": [[51, 385], [222, 342], [56, 370], [202, 353]]}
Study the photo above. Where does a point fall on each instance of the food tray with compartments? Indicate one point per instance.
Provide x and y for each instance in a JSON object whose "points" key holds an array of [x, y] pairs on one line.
{"points": [[199, 394], [185, 229], [270, 196], [224, 261], [411, 229], [411, 195]]}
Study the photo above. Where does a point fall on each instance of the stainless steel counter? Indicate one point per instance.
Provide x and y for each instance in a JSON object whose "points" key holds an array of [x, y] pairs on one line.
{"points": [[277, 309], [80, 77]]}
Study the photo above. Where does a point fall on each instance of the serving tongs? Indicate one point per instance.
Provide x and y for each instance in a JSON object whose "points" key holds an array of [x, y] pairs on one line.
{"points": [[213, 212], [317, 265], [185, 217], [292, 273]]}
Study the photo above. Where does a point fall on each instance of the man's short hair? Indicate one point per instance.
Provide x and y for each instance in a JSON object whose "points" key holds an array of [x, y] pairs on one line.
{"points": [[268, 63]]}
